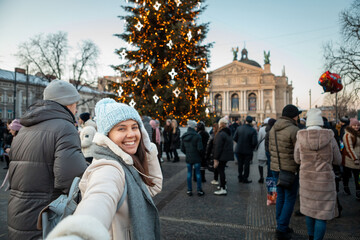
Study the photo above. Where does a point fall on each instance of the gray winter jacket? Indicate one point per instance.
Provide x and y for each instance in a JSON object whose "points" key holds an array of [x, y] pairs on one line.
{"points": [[45, 157]]}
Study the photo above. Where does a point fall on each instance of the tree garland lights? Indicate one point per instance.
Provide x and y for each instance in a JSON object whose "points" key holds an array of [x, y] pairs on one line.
{"points": [[164, 37]]}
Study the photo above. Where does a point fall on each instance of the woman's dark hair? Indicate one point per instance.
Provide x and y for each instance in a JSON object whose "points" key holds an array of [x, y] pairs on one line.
{"points": [[141, 162]]}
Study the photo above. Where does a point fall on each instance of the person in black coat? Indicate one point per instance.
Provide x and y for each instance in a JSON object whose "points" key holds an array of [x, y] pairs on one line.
{"points": [[223, 152], [271, 123], [192, 147], [8, 137], [209, 154], [167, 140], [200, 129], [246, 139], [175, 139]]}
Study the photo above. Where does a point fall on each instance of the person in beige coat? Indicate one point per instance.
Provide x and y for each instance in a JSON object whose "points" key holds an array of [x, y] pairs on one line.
{"points": [[316, 151], [124, 158], [351, 155]]}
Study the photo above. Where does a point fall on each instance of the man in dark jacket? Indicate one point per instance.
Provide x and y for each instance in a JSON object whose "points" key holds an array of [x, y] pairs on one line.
{"points": [[45, 157], [192, 146], [246, 139], [200, 128], [282, 139]]}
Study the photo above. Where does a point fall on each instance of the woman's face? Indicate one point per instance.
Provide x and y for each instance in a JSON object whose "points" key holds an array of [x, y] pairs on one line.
{"points": [[173, 124], [126, 135], [168, 123], [13, 132], [356, 127]]}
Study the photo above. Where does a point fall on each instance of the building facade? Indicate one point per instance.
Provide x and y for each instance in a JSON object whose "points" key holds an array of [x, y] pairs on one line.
{"points": [[244, 88], [14, 100]]}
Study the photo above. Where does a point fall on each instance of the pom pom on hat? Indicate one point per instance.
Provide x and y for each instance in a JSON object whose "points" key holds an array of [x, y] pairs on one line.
{"points": [[109, 113], [314, 118]]}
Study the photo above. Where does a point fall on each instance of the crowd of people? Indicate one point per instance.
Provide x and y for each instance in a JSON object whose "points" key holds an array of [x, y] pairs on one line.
{"points": [[118, 152]]}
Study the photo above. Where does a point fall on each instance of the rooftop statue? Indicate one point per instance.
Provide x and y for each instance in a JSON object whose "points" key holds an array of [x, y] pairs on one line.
{"points": [[267, 57], [235, 52]]}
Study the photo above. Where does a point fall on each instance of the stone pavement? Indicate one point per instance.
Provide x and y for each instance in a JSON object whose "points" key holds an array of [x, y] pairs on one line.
{"points": [[242, 214]]}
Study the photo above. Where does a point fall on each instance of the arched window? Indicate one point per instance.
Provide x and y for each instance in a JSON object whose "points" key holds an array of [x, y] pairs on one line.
{"points": [[252, 102], [235, 103], [218, 104]]}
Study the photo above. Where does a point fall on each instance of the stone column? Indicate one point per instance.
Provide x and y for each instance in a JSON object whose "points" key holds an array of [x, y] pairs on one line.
{"points": [[262, 100], [273, 101], [224, 102]]}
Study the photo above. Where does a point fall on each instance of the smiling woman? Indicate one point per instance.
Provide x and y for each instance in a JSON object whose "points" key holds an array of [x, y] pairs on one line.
{"points": [[126, 135], [124, 159]]}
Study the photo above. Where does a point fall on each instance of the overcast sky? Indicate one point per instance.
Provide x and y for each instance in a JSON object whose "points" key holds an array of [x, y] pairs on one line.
{"points": [[293, 31]]}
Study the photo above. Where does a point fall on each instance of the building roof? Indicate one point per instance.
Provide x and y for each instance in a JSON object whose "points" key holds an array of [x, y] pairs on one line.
{"points": [[246, 60], [21, 78]]}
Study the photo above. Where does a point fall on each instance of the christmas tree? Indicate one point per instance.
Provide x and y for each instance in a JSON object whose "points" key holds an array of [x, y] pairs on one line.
{"points": [[165, 62]]}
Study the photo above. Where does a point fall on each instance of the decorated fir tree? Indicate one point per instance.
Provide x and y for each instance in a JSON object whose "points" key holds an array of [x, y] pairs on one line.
{"points": [[165, 62]]}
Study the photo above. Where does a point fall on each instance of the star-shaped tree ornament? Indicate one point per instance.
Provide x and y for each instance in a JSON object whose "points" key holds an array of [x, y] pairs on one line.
{"points": [[123, 54], [172, 73], [204, 99], [199, 5], [189, 35], [172, 82], [132, 103], [177, 92], [138, 26], [120, 91], [207, 111], [196, 94], [156, 98], [207, 77], [149, 70], [157, 6], [170, 44], [178, 2], [199, 31], [136, 80]]}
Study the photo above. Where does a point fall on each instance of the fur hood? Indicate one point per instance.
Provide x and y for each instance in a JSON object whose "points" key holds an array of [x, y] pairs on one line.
{"points": [[314, 139]]}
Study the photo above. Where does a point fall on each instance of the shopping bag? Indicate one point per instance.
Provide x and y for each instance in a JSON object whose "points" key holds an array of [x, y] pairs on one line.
{"points": [[271, 191]]}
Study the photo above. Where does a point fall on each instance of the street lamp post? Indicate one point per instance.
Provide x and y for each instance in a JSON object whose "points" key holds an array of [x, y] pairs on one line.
{"points": [[14, 100]]}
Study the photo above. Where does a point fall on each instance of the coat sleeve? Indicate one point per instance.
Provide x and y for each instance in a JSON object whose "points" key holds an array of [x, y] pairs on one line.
{"points": [[104, 186], [349, 146], [104, 183], [235, 138], [69, 161], [297, 153], [254, 139], [218, 146], [337, 155], [154, 171], [199, 144], [182, 148]]}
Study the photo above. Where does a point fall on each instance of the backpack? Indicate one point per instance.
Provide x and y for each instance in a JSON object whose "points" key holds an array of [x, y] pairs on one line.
{"points": [[64, 206]]}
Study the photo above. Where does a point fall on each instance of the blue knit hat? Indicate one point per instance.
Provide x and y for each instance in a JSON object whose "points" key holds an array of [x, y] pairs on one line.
{"points": [[109, 113]]}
